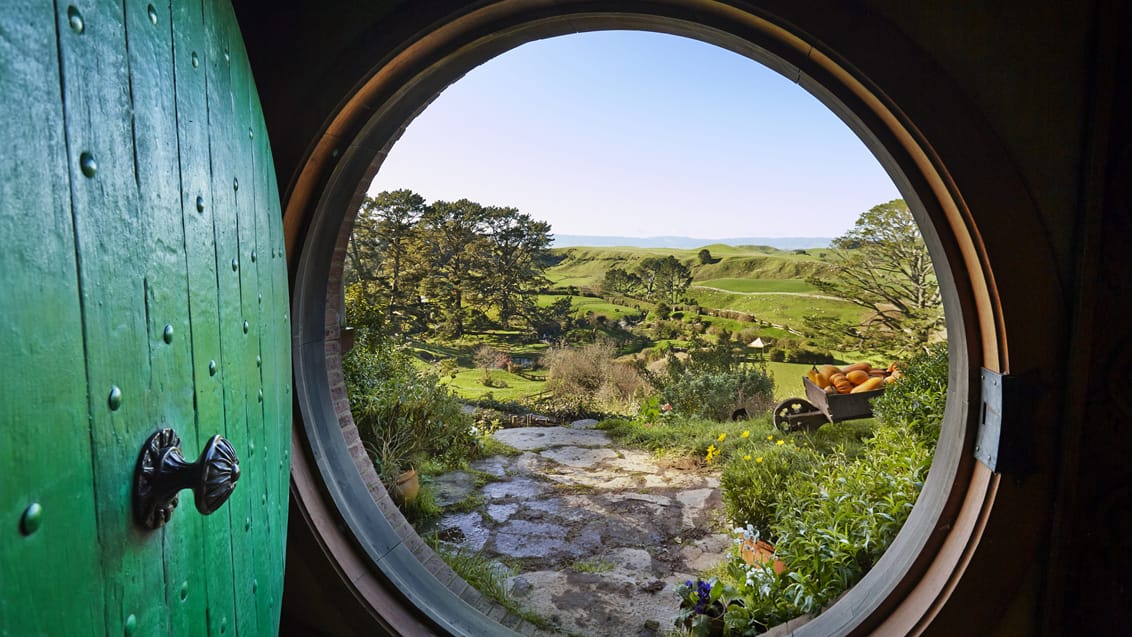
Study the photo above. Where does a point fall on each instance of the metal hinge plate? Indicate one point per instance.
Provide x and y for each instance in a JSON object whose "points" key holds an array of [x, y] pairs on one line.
{"points": [[989, 438]]}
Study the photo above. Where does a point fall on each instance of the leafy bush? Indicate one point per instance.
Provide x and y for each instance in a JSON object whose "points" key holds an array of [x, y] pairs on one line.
{"points": [[753, 488], [403, 415], [586, 378], [809, 355], [834, 518], [716, 395], [833, 528], [918, 399]]}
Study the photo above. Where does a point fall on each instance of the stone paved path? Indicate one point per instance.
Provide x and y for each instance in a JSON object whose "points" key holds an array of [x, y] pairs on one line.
{"points": [[601, 535]]}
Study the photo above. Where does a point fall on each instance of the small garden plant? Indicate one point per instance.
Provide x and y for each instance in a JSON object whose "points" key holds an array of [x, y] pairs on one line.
{"points": [[830, 515]]}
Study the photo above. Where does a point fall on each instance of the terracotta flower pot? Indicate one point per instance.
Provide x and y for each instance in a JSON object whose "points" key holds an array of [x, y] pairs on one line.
{"points": [[406, 487], [761, 552]]}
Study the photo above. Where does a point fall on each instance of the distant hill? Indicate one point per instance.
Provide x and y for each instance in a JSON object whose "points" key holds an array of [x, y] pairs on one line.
{"points": [[782, 243]]}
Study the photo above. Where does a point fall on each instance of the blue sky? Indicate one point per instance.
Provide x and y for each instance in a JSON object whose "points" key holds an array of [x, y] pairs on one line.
{"points": [[640, 134]]}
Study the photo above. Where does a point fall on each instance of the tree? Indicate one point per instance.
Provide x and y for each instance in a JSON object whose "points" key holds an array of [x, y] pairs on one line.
{"points": [[453, 245], [451, 262], [704, 255], [618, 281], [517, 251], [664, 278], [379, 256], [882, 265]]}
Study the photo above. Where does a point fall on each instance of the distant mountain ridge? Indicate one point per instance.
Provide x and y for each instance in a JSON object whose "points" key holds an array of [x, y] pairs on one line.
{"points": [[595, 241]]}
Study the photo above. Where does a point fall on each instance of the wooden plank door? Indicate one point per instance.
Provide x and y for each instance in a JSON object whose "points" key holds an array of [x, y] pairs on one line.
{"points": [[143, 287]]}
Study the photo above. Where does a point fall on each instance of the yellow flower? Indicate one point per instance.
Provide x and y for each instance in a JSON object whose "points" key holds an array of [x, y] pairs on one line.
{"points": [[759, 459], [771, 437], [711, 454], [721, 437], [748, 457], [745, 434], [780, 442]]}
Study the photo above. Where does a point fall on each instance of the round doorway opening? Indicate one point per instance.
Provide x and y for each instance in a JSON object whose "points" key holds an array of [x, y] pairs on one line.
{"points": [[383, 547]]}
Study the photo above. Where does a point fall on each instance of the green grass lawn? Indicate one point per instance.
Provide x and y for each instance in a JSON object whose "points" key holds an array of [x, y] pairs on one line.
{"points": [[782, 309], [788, 379], [468, 385], [584, 304], [586, 266]]}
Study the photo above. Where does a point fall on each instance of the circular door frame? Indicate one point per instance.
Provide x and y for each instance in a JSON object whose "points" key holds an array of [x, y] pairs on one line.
{"points": [[929, 139]]}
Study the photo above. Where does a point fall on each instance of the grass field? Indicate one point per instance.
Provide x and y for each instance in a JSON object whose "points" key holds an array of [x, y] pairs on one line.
{"points": [[585, 304], [758, 285], [782, 309], [764, 282], [586, 267], [468, 385], [788, 379]]}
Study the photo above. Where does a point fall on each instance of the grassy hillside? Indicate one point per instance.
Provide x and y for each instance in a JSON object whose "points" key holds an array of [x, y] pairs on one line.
{"points": [[584, 304], [784, 309], [586, 267], [758, 286], [758, 280]]}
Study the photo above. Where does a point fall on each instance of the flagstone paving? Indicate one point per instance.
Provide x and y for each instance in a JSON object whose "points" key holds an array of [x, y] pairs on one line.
{"points": [[599, 535]]}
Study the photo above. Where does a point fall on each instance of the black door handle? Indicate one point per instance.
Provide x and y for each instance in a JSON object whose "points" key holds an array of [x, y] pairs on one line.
{"points": [[162, 472]]}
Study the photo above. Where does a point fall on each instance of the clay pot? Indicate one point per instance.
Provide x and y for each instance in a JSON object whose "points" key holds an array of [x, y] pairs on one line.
{"points": [[761, 552], [406, 487]]}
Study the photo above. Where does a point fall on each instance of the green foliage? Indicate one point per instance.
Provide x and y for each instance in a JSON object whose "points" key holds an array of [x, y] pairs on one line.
{"points": [[833, 527], [586, 378], [379, 258], [703, 604], [883, 266], [917, 400], [677, 435], [663, 278], [456, 265], [712, 382], [484, 574], [423, 507], [718, 395], [403, 415], [834, 519], [800, 350], [752, 488], [620, 282]]}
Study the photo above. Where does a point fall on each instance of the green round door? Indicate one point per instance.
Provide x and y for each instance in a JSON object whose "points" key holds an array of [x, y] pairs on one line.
{"points": [[143, 286]]}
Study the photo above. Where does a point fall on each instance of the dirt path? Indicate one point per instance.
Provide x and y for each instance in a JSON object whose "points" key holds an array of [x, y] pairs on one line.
{"points": [[600, 535]]}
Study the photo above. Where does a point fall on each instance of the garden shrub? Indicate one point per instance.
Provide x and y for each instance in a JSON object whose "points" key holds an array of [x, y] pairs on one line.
{"points": [[403, 415], [716, 395], [586, 378], [918, 399], [833, 521], [833, 528], [802, 354], [752, 488]]}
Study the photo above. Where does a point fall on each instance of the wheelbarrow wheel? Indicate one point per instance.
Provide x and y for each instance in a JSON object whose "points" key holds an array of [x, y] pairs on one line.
{"points": [[787, 414]]}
